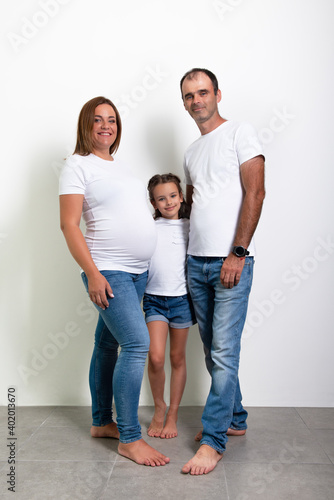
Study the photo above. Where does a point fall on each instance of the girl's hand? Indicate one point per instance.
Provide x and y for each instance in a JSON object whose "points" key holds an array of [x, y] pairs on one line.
{"points": [[99, 290]]}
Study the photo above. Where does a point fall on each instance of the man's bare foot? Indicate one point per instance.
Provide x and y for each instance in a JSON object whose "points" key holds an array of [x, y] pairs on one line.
{"points": [[157, 424], [105, 431], [203, 462], [170, 430], [235, 432], [142, 453], [230, 432]]}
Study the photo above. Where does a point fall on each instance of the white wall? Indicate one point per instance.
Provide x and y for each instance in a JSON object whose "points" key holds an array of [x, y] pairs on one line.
{"points": [[273, 60]]}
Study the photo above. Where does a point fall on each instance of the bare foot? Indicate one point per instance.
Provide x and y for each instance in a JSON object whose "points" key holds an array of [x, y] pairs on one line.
{"points": [[170, 429], [203, 462], [142, 453], [230, 432], [157, 424], [105, 431], [235, 432]]}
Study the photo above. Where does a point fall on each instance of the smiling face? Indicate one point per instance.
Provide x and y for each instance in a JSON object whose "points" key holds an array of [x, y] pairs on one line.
{"points": [[201, 102], [167, 200], [104, 131]]}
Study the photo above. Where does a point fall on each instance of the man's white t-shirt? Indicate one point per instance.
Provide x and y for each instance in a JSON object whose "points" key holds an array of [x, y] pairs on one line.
{"points": [[212, 167], [120, 230], [167, 268]]}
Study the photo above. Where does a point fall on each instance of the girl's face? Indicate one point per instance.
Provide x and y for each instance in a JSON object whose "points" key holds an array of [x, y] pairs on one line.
{"points": [[167, 200]]}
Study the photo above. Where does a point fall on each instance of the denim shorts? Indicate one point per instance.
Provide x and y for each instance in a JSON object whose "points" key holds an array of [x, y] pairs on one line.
{"points": [[178, 312]]}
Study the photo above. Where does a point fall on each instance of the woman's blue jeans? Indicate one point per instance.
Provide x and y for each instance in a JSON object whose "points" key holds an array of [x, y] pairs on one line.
{"points": [[121, 324], [221, 314]]}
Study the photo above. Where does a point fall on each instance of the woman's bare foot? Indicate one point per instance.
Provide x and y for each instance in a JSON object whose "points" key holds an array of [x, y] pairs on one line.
{"points": [[109, 431], [142, 453], [170, 430], [230, 432], [157, 424], [203, 462]]}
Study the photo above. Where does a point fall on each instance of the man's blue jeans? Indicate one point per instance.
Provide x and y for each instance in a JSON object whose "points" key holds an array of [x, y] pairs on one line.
{"points": [[221, 314], [121, 324]]}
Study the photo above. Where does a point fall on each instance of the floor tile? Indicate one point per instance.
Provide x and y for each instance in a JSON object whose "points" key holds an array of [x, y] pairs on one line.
{"points": [[30, 416], [317, 418], [57, 443], [22, 435], [279, 481], [59, 480], [167, 482], [326, 440], [69, 416], [297, 446]]}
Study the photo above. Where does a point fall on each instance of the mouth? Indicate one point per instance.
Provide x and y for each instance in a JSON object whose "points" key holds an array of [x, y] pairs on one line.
{"points": [[107, 134]]}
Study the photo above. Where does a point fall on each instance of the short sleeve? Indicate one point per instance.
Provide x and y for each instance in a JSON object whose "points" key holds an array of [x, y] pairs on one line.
{"points": [[72, 178], [247, 143], [187, 178]]}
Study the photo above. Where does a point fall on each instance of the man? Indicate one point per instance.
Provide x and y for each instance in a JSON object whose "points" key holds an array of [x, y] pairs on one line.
{"points": [[224, 171]]}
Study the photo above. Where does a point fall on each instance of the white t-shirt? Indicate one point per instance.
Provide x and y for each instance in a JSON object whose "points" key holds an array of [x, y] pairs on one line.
{"points": [[212, 167], [167, 269], [120, 230]]}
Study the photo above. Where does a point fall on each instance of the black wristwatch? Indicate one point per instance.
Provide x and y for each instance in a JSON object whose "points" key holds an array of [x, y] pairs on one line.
{"points": [[240, 251]]}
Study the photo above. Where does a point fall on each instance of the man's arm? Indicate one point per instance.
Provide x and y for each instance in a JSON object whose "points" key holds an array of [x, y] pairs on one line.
{"points": [[189, 194], [252, 178]]}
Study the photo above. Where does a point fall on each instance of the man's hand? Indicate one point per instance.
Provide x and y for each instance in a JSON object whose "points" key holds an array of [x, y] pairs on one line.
{"points": [[231, 270]]}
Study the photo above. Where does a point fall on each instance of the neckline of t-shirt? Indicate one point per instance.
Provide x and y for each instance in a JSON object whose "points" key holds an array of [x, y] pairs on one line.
{"points": [[102, 159], [217, 128], [171, 221]]}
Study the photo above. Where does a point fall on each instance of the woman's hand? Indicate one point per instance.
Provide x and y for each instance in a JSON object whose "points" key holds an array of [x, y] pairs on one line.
{"points": [[99, 290]]}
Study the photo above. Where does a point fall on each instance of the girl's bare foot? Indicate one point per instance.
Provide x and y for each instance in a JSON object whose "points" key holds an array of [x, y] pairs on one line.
{"points": [[109, 431], [142, 453], [203, 462], [170, 430], [230, 432], [157, 424]]}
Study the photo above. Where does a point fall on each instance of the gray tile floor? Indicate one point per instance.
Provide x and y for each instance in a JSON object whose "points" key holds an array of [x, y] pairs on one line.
{"points": [[287, 454]]}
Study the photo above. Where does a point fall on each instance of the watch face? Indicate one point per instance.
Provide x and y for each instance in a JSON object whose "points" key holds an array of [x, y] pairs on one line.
{"points": [[239, 251]]}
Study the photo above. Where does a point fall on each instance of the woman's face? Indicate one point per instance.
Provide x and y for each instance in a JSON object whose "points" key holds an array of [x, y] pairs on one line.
{"points": [[104, 131]]}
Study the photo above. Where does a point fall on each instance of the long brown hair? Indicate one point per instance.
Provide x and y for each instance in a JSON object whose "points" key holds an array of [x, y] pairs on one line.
{"points": [[84, 145], [157, 179]]}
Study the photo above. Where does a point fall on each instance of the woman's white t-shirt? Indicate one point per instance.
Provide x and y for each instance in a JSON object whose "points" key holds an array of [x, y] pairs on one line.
{"points": [[120, 231]]}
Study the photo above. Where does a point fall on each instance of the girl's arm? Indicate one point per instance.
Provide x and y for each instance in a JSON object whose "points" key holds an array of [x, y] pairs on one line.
{"points": [[70, 214]]}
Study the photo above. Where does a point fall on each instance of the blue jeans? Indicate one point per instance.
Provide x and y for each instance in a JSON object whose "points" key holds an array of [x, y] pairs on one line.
{"points": [[123, 324], [221, 314]]}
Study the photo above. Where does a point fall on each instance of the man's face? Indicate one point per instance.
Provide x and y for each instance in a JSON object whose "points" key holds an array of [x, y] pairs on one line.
{"points": [[199, 98]]}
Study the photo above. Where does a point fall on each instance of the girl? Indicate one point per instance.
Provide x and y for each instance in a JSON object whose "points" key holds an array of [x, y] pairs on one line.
{"points": [[167, 304]]}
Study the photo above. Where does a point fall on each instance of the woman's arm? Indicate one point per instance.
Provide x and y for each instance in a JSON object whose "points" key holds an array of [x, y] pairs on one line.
{"points": [[70, 214]]}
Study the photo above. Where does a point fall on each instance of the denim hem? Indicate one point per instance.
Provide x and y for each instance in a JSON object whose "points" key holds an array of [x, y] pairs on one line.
{"points": [[218, 450], [128, 441], [103, 424]]}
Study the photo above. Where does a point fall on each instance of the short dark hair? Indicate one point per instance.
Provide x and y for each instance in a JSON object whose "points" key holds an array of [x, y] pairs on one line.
{"points": [[84, 144], [193, 72], [157, 179]]}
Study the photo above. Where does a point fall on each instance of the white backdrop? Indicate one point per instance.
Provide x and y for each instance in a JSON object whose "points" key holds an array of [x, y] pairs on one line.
{"points": [[273, 60]]}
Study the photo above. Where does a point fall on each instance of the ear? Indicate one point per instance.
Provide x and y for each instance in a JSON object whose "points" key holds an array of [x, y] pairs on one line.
{"points": [[219, 96], [181, 197]]}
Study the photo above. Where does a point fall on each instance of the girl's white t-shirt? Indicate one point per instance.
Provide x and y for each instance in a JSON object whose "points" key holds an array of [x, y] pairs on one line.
{"points": [[120, 231], [167, 268]]}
